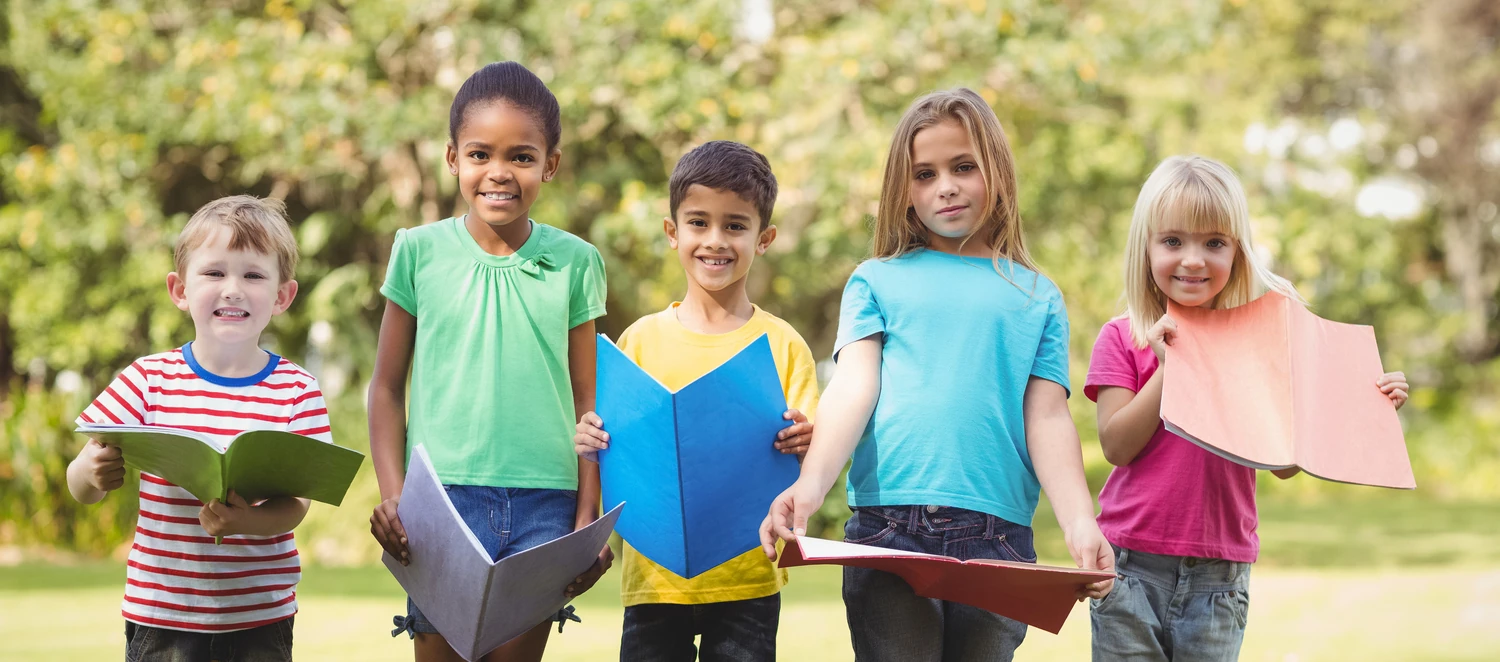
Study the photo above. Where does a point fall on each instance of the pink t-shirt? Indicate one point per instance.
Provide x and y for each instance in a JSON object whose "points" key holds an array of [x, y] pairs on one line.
{"points": [[1174, 497]]}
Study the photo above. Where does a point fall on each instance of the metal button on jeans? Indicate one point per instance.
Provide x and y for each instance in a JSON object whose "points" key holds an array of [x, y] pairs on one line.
{"points": [[932, 509]]}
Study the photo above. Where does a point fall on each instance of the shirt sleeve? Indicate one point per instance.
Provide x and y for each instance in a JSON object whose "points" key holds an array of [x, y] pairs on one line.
{"points": [[123, 402], [400, 274], [1051, 362], [310, 414], [860, 315], [801, 382], [588, 290], [1110, 364]]}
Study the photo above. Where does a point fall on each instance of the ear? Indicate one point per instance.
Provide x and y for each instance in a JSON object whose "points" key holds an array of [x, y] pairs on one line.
{"points": [[451, 156], [177, 289], [285, 293], [767, 236], [553, 161], [670, 227]]}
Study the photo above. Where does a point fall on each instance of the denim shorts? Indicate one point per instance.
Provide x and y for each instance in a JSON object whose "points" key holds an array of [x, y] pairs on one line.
{"points": [[507, 521], [888, 621], [1171, 608]]}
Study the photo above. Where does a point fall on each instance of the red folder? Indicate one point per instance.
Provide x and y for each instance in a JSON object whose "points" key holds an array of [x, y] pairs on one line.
{"points": [[1037, 595], [1270, 385]]}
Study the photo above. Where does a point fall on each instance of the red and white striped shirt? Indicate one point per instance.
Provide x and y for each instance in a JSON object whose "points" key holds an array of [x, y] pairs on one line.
{"points": [[177, 577]]}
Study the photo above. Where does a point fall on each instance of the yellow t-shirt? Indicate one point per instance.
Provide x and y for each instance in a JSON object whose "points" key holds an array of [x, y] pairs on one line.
{"points": [[676, 356]]}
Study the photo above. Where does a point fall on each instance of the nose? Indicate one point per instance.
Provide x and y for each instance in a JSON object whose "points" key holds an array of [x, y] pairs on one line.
{"points": [[716, 238], [499, 172], [946, 186], [233, 289], [1192, 258]]}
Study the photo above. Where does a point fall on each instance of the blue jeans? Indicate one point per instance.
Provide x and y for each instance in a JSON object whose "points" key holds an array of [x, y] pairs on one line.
{"points": [[887, 621], [735, 631], [1171, 608], [507, 521], [267, 643]]}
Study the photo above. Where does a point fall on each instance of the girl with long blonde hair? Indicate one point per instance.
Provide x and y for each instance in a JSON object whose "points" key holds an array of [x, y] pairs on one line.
{"points": [[950, 394], [1181, 520]]}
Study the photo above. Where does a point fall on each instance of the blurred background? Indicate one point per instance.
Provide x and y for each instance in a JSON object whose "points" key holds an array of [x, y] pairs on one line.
{"points": [[1366, 134]]}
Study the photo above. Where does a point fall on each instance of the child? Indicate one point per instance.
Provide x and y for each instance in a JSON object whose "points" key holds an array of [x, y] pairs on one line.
{"points": [[952, 380], [721, 199], [493, 313], [186, 597], [1182, 520]]}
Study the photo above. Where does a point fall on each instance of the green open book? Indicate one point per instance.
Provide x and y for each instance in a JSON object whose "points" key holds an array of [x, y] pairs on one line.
{"points": [[259, 464]]}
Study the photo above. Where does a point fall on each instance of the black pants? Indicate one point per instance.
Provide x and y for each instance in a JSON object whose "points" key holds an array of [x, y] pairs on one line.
{"points": [[738, 631], [267, 643]]}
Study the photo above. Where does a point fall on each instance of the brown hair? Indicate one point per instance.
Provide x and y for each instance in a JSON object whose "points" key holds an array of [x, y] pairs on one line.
{"points": [[726, 166]]}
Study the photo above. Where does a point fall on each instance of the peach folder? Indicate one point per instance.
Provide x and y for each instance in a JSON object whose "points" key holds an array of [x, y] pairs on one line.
{"points": [[1038, 595], [1270, 385]]}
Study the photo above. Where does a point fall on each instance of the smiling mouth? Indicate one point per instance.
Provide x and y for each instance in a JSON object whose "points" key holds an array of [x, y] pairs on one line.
{"points": [[1188, 280], [499, 197], [715, 261], [231, 313]]}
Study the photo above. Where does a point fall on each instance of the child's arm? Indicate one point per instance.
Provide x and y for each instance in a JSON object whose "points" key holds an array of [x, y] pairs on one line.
{"points": [[271, 517], [581, 372], [1128, 420], [97, 470], [843, 413], [1056, 453], [387, 406]]}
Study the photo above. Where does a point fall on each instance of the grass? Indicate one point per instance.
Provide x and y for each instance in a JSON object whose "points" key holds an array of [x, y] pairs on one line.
{"points": [[1386, 577]]}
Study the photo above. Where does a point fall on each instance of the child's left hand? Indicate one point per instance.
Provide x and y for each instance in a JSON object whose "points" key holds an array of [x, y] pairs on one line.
{"points": [[1394, 385], [591, 576], [1091, 552], [221, 518], [797, 437]]}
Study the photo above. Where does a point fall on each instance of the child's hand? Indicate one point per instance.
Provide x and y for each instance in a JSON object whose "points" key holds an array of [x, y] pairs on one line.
{"points": [[1091, 552], [103, 466], [792, 507], [797, 437], [1393, 384], [589, 577], [223, 518], [591, 437], [387, 529], [1161, 334]]}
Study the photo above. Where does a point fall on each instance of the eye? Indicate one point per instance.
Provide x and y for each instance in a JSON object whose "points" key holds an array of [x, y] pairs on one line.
{"points": [[525, 158], [737, 227], [697, 222], [1217, 243], [924, 174], [478, 155], [1172, 241], [214, 273], [965, 167], [254, 276]]}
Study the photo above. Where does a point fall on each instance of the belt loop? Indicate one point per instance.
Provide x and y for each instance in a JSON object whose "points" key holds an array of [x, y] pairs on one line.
{"points": [[1120, 557], [912, 519], [989, 526]]}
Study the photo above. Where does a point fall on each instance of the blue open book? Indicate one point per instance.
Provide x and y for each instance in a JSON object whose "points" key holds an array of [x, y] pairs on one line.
{"points": [[697, 466]]}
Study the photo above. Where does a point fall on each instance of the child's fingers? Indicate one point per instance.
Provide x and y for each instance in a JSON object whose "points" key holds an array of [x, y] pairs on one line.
{"points": [[794, 430], [767, 541], [109, 453], [592, 419]]}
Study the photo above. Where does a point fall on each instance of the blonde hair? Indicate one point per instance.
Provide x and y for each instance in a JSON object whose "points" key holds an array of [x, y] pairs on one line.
{"points": [[898, 230], [255, 224], [1198, 195]]}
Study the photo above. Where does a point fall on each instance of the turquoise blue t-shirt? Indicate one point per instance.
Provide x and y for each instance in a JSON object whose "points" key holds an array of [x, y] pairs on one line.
{"points": [[959, 343]]}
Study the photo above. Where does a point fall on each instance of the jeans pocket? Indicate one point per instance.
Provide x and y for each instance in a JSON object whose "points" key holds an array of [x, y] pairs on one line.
{"points": [[284, 635], [1240, 605], [871, 533]]}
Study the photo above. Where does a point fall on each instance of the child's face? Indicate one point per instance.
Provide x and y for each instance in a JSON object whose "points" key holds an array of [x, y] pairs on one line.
{"points": [[947, 188], [230, 294], [717, 236], [501, 160], [1191, 268]]}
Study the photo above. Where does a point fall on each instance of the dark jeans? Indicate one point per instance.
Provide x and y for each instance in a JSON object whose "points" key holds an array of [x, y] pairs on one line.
{"points": [[267, 643], [737, 631], [889, 621]]}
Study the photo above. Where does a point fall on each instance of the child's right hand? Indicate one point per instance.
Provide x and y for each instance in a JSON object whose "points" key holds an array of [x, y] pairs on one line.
{"points": [[1161, 334], [591, 437], [103, 466], [387, 529], [792, 507]]}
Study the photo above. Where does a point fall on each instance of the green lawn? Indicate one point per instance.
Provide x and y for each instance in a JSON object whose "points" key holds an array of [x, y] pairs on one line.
{"points": [[1386, 578]]}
